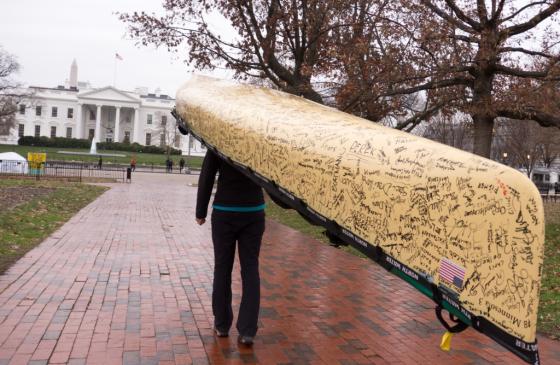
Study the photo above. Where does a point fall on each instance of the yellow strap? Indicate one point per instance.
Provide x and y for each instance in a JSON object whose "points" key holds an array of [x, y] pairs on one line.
{"points": [[445, 344]]}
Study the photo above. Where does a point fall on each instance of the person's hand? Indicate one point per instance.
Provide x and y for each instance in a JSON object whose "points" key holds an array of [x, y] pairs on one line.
{"points": [[200, 221]]}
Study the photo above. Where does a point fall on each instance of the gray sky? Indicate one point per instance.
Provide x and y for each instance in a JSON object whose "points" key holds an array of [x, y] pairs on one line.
{"points": [[46, 35]]}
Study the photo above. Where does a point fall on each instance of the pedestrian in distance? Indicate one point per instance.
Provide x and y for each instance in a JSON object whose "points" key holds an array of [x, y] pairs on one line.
{"points": [[167, 162], [100, 163], [181, 165], [237, 221], [133, 163]]}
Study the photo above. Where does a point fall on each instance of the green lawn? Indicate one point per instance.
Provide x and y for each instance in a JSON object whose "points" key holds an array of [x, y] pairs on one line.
{"points": [[293, 219], [549, 308], [141, 158], [24, 226]]}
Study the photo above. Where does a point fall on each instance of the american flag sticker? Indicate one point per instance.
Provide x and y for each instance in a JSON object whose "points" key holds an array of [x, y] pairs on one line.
{"points": [[451, 272]]}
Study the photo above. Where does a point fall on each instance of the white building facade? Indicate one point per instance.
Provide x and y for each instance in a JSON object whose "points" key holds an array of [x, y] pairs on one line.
{"points": [[106, 114]]}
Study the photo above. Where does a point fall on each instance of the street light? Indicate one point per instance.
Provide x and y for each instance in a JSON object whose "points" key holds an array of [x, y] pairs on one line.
{"points": [[504, 155]]}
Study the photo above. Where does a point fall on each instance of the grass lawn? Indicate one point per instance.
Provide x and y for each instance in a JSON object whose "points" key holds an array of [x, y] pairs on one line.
{"points": [[549, 308], [32, 210], [141, 158], [293, 219]]}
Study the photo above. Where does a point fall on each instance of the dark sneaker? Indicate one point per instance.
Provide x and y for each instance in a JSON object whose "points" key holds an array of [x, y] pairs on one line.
{"points": [[245, 340], [220, 333]]}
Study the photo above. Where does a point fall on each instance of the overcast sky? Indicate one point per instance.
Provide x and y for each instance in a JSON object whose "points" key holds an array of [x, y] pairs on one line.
{"points": [[46, 36]]}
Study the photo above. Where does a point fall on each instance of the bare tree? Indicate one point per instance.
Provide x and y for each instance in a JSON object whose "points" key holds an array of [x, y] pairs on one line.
{"points": [[10, 92], [455, 130], [168, 133], [549, 147], [526, 145]]}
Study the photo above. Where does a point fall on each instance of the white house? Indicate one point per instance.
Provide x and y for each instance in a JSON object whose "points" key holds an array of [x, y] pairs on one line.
{"points": [[76, 110]]}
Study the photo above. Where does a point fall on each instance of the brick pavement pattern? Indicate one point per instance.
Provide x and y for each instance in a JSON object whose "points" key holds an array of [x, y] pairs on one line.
{"points": [[128, 281]]}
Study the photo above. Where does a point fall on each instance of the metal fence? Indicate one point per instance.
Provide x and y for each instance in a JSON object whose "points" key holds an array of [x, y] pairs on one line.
{"points": [[76, 171], [163, 170], [549, 191]]}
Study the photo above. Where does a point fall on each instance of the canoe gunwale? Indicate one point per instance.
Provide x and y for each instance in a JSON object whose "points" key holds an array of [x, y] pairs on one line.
{"points": [[442, 297]]}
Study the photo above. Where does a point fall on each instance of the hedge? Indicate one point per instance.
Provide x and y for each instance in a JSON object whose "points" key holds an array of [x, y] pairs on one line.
{"points": [[54, 142], [86, 143]]}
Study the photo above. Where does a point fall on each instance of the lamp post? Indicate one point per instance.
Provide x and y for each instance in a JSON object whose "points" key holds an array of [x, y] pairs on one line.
{"points": [[504, 155]]}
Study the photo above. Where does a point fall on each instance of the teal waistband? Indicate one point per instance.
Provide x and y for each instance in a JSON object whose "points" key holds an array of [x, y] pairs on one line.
{"points": [[240, 209]]}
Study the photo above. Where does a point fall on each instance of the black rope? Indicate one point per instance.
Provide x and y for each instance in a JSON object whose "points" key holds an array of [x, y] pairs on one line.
{"points": [[459, 326]]}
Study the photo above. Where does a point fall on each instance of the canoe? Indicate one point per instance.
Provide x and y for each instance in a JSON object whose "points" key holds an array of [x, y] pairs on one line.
{"points": [[466, 231]]}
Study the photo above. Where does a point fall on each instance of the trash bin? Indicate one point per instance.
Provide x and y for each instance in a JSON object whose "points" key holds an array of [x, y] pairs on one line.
{"points": [[128, 174]]}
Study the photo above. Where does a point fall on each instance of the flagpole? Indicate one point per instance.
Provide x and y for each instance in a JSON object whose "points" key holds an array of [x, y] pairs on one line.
{"points": [[115, 71]]}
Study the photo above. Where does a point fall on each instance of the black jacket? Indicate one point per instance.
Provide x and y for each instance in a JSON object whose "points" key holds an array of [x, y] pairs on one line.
{"points": [[234, 188]]}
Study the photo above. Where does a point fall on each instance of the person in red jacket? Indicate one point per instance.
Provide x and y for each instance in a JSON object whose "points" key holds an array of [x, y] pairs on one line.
{"points": [[237, 219]]}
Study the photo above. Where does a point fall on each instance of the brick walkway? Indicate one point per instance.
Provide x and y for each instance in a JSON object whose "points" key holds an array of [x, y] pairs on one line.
{"points": [[128, 280]]}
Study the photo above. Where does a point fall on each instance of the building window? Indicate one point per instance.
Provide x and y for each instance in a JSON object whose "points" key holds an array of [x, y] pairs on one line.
{"points": [[21, 130], [162, 140], [109, 139], [70, 114], [69, 132], [92, 115], [38, 110], [148, 139], [54, 112], [177, 140], [163, 119], [53, 132], [37, 131], [91, 134], [149, 121], [126, 137], [111, 115], [22, 108]]}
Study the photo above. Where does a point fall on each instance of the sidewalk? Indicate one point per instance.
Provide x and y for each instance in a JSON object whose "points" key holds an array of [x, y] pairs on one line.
{"points": [[128, 281]]}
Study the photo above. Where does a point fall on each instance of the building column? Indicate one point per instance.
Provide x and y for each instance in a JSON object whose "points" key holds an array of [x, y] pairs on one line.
{"points": [[97, 134], [135, 131], [117, 124], [79, 126]]}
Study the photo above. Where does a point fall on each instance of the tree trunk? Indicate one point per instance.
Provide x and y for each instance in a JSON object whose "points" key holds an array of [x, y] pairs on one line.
{"points": [[305, 89], [483, 130], [313, 96]]}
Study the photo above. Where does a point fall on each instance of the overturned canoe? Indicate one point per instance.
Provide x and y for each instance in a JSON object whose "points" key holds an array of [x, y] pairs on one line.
{"points": [[466, 231]]}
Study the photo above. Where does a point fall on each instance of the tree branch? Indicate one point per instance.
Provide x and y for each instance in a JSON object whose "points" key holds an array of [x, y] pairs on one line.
{"points": [[482, 11], [531, 23], [456, 81], [447, 17], [523, 50], [496, 14], [427, 113], [461, 15], [521, 10], [464, 38], [504, 70], [544, 119]]}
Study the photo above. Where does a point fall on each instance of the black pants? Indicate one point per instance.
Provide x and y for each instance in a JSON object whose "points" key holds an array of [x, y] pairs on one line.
{"points": [[247, 230]]}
